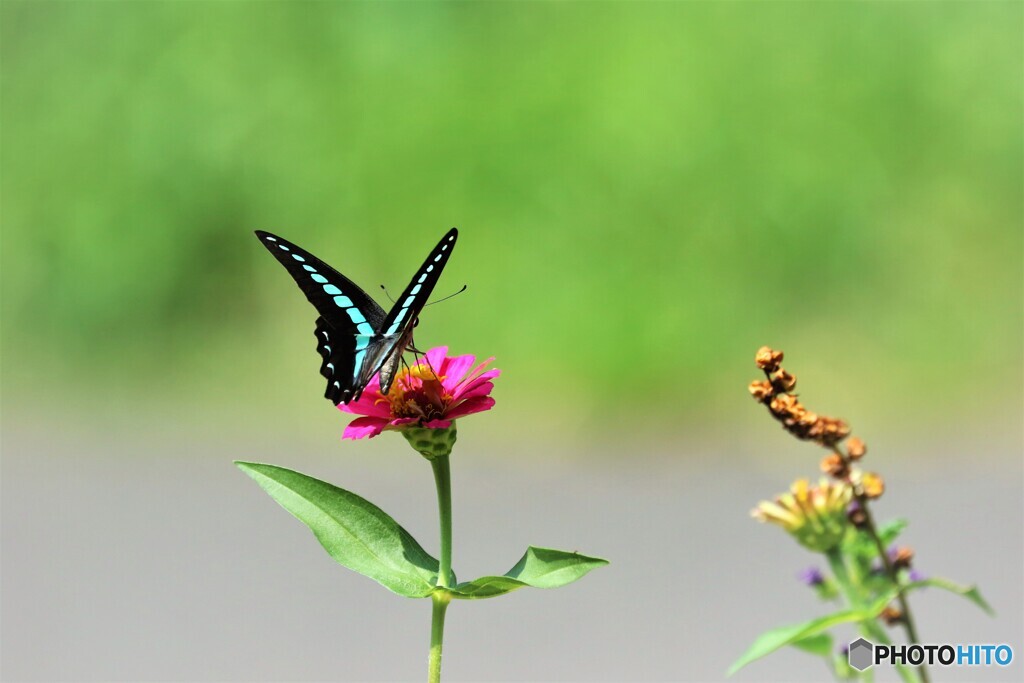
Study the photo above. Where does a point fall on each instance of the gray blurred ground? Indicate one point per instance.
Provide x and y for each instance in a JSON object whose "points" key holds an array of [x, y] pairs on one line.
{"points": [[131, 556]]}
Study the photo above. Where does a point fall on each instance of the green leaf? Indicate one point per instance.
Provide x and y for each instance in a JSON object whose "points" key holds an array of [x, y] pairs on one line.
{"points": [[970, 592], [538, 568], [354, 531], [772, 640], [819, 644], [891, 530]]}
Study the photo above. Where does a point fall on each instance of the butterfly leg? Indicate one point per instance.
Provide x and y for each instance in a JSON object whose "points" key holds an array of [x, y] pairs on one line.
{"points": [[432, 368]]}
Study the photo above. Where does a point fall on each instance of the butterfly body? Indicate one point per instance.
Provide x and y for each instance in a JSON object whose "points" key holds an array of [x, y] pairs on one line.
{"points": [[355, 336]]}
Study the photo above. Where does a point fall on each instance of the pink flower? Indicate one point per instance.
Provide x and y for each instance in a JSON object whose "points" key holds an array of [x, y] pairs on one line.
{"points": [[431, 394]]}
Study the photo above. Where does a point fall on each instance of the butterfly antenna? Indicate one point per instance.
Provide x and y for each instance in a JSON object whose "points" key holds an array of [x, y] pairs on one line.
{"points": [[464, 288], [388, 294]]}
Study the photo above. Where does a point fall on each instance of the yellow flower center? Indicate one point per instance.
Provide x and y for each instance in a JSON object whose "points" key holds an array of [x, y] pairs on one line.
{"points": [[418, 393]]}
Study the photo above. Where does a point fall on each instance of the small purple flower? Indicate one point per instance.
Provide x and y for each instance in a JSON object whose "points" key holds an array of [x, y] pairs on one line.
{"points": [[916, 575], [844, 651], [812, 577]]}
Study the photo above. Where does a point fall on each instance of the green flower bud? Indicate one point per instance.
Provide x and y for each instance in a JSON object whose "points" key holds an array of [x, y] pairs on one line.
{"points": [[431, 443]]}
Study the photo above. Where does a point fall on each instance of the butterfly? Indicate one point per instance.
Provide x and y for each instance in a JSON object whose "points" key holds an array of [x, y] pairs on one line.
{"points": [[355, 336]]}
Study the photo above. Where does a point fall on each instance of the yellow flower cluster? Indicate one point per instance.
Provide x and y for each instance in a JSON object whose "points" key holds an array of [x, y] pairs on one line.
{"points": [[814, 515]]}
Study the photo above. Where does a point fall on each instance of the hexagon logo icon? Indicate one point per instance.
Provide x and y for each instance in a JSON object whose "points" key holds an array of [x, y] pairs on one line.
{"points": [[861, 654]]}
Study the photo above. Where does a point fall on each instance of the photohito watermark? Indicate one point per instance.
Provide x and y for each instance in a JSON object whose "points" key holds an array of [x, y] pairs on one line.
{"points": [[865, 654]]}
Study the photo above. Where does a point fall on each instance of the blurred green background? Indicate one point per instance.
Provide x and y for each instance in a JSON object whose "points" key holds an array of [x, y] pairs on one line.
{"points": [[647, 193]]}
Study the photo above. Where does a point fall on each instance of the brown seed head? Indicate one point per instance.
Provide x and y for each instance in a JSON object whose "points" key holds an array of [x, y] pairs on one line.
{"points": [[855, 513], [783, 405], [761, 390], [901, 557], [855, 448], [768, 359], [829, 430], [834, 466], [891, 615], [806, 418], [834, 430], [783, 381]]}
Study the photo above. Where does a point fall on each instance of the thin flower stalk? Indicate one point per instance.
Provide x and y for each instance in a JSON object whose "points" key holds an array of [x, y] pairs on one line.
{"points": [[869, 526], [441, 598], [423, 404]]}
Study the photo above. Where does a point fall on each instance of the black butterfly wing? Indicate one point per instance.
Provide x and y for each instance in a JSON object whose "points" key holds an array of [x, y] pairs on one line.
{"points": [[348, 329], [344, 360], [402, 318]]}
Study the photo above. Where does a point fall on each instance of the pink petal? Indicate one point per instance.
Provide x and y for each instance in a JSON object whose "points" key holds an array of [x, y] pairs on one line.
{"points": [[473, 405], [454, 370], [478, 371], [362, 427], [399, 421], [479, 390], [438, 424], [473, 384], [368, 404], [435, 357]]}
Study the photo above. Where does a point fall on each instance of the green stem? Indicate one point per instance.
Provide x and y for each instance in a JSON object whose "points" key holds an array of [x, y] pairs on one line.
{"points": [[443, 480], [441, 597], [440, 602], [890, 570], [851, 591], [907, 616]]}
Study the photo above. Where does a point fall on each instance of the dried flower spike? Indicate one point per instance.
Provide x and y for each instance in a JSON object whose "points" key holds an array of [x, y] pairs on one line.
{"points": [[784, 406]]}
